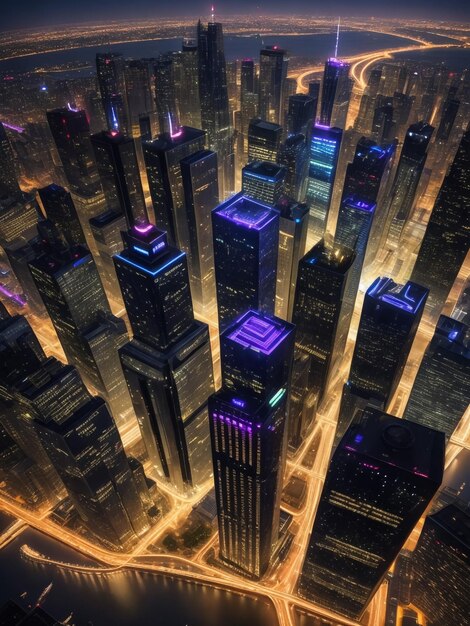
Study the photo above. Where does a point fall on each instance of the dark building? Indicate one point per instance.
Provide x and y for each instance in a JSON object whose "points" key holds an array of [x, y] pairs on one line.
{"points": [[272, 75], [301, 114], [263, 181], [138, 75], [118, 169], [247, 420], [336, 91], [215, 115], [389, 320], [363, 520], [441, 390], [201, 195], [248, 102], [449, 113], [60, 209], [325, 145], [168, 364], [383, 126], [165, 91], [162, 161], [190, 104], [246, 236], [447, 237], [293, 155], [110, 72], [441, 568], [8, 177], [264, 140]]}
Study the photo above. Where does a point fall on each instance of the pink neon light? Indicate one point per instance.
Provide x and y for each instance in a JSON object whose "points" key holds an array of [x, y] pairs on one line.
{"points": [[13, 296], [19, 129], [143, 229]]}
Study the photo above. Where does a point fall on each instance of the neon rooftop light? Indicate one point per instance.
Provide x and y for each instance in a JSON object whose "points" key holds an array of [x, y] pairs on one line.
{"points": [[258, 333], [247, 212], [143, 229], [12, 296]]}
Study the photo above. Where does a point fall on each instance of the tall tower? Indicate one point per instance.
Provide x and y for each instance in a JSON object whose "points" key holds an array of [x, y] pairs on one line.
{"points": [[8, 177], [190, 105], [441, 389], [264, 181], [111, 80], [246, 236], [60, 209], [247, 420], [389, 320], [301, 113], [447, 237], [139, 99], [272, 75], [248, 102], [264, 140], [168, 364], [336, 91], [362, 519]]}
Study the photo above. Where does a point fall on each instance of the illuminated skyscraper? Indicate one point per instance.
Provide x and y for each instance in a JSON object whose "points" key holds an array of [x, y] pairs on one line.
{"points": [[215, 115], [324, 152], [322, 309], [441, 567], [246, 236], [8, 177], [168, 364], [248, 102], [447, 237], [138, 74], [293, 226], [294, 157], [162, 160], [272, 74], [111, 80], [201, 196], [363, 520], [441, 390], [165, 92], [118, 169], [263, 181], [18, 217], [336, 91], [410, 167], [301, 114], [264, 140], [60, 209], [389, 320], [383, 127], [247, 421], [449, 114], [190, 105], [73, 295]]}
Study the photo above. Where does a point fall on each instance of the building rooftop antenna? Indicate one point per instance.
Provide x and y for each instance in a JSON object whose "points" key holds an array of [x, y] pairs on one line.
{"points": [[213, 14], [337, 38]]}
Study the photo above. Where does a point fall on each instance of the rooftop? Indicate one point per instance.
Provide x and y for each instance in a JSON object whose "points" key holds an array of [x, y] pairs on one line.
{"points": [[259, 332], [334, 257], [456, 522], [266, 170], [409, 297], [246, 212]]}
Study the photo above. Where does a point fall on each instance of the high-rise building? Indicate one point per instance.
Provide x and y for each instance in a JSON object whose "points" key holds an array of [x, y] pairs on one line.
{"points": [[201, 195], [293, 227], [118, 169], [247, 420], [60, 209], [383, 127], [449, 113], [110, 68], [447, 237], [294, 157], [246, 236], [162, 160], [263, 181], [168, 364], [165, 92], [18, 216], [389, 320], [272, 75], [336, 91], [441, 390], [264, 140], [441, 567], [363, 518], [73, 295], [248, 102], [8, 176], [137, 78], [325, 145], [215, 115], [301, 113], [190, 104], [410, 167], [322, 309]]}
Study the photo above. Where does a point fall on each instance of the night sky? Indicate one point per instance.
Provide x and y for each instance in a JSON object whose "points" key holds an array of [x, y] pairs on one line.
{"points": [[26, 13]]}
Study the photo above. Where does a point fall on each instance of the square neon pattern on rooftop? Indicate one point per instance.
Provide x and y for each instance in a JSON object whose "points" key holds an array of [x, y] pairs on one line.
{"points": [[258, 333]]}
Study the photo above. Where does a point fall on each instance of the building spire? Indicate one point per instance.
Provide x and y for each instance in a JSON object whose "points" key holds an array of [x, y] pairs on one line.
{"points": [[213, 14], [337, 38]]}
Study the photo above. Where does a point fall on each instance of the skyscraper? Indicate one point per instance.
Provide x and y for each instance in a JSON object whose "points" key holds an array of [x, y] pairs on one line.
{"points": [[301, 114], [447, 237], [389, 320], [190, 105], [137, 78], [293, 226], [294, 157], [118, 169], [272, 74], [263, 181], [322, 309], [248, 102], [441, 389], [246, 235], [111, 80], [410, 167], [324, 152], [60, 209], [162, 161], [8, 177], [215, 115], [247, 422], [168, 364], [363, 520], [18, 216], [441, 567], [264, 140], [336, 91], [201, 196], [165, 92]]}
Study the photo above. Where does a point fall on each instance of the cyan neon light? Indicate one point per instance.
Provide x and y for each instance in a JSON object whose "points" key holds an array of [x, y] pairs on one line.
{"points": [[277, 397], [141, 250], [147, 270]]}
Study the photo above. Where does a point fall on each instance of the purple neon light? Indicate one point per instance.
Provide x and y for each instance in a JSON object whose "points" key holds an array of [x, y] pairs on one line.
{"points": [[18, 129], [361, 205], [258, 333], [13, 296], [323, 126], [230, 421], [248, 213], [143, 229]]}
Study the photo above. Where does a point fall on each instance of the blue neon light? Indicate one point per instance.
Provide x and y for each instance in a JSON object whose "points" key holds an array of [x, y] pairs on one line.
{"points": [[238, 402], [148, 270], [80, 261], [141, 250]]}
